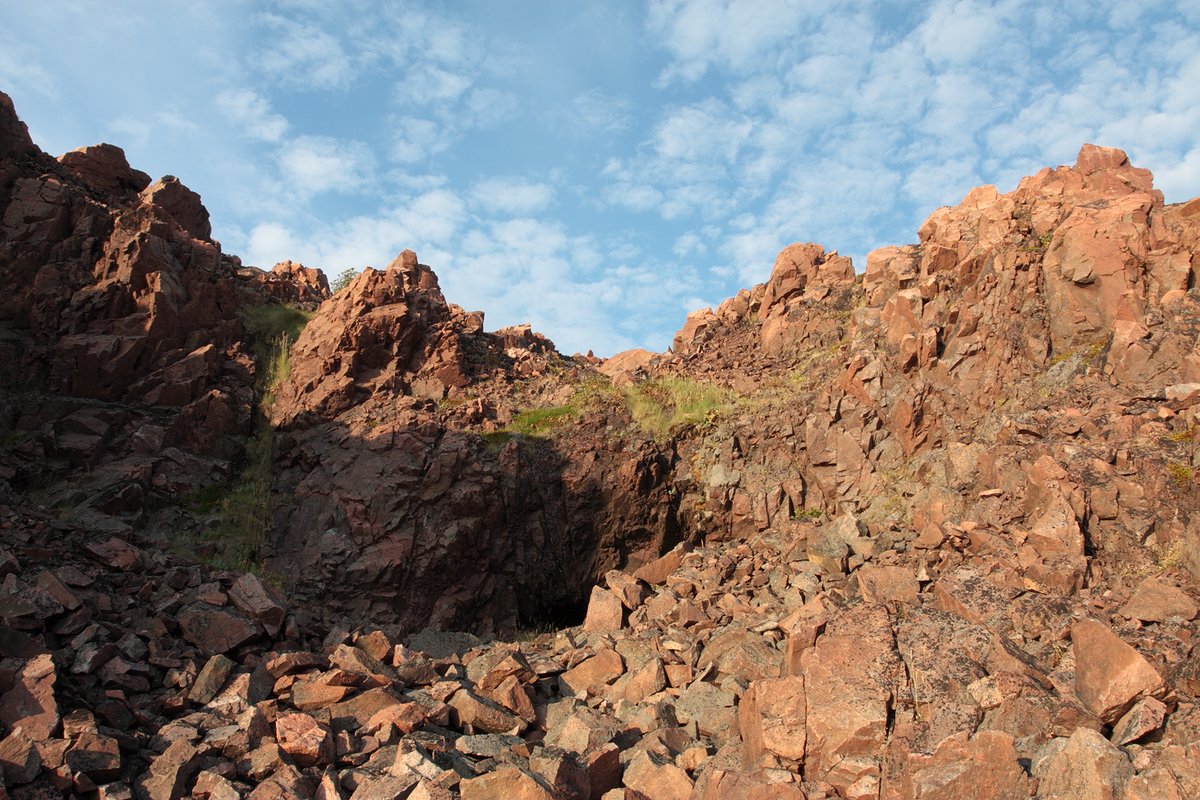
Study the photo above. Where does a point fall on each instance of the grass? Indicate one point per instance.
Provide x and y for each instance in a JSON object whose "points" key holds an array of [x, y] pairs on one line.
{"points": [[539, 421], [660, 405], [244, 507]]}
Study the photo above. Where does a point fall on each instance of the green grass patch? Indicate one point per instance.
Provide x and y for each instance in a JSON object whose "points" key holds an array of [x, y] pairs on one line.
{"points": [[658, 406], [539, 421]]}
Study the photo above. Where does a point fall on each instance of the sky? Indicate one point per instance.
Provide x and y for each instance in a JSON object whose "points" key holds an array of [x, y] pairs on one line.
{"points": [[599, 169]]}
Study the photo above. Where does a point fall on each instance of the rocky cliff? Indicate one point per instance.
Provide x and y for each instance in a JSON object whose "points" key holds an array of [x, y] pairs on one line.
{"points": [[929, 531]]}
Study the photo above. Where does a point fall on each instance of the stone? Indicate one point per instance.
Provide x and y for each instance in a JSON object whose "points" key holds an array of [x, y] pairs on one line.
{"points": [[95, 755], [310, 695], [883, 584], [307, 742], [1145, 717], [506, 783], [20, 762], [1110, 676], [1155, 601], [31, 702], [1087, 767], [604, 612], [214, 629], [771, 718], [480, 714], [170, 773], [258, 601], [597, 671], [211, 679], [654, 777], [985, 767]]}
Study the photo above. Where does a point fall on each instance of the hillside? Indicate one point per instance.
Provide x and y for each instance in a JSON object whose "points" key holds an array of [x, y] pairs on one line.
{"points": [[927, 531]]}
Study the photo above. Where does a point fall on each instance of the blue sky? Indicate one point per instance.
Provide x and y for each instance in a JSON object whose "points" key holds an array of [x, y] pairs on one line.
{"points": [[600, 169]]}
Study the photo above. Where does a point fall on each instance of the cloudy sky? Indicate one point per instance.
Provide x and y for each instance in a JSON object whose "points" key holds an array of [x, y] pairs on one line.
{"points": [[600, 168]]}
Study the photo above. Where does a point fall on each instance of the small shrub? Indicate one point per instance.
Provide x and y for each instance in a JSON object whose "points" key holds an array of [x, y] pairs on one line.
{"points": [[344, 279], [1180, 473]]}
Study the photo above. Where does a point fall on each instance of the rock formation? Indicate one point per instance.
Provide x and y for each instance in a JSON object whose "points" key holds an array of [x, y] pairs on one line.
{"points": [[931, 531]]}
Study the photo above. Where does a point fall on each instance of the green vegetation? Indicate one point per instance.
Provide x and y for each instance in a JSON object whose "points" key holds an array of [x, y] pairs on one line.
{"points": [[538, 421], [344, 279], [243, 508], [1180, 473], [807, 513], [658, 406]]}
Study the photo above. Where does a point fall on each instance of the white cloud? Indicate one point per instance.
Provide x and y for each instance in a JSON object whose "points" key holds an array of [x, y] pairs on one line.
{"points": [[415, 139], [252, 112], [706, 131], [427, 84], [513, 196], [302, 54], [313, 164]]}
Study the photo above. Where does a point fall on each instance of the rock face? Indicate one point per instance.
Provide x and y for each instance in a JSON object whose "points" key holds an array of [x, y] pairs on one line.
{"points": [[934, 533], [121, 333]]}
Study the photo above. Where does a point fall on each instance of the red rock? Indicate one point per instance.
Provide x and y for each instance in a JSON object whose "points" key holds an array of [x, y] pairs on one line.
{"points": [[984, 767], [1110, 676], [215, 630], [880, 584], [1088, 767], [211, 679], [310, 695], [597, 671], [771, 716], [19, 759], [170, 773], [114, 553], [604, 611], [506, 783], [656, 778], [95, 755], [31, 702], [848, 677], [1155, 601], [482, 714], [305, 740], [1145, 717], [259, 601]]}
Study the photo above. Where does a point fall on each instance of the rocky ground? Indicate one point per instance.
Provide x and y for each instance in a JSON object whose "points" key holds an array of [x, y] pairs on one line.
{"points": [[927, 532]]}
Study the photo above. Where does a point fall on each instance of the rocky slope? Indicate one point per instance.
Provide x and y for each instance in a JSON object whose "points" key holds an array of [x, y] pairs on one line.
{"points": [[926, 532]]}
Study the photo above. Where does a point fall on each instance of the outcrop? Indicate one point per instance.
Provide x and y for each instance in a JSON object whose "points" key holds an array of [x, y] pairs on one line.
{"points": [[930, 531]]}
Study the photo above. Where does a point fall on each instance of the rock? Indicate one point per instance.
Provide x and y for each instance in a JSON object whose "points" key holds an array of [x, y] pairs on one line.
{"points": [[848, 675], [170, 773], [771, 717], [653, 777], [19, 759], [1145, 717], [95, 755], [31, 702], [307, 742], [259, 601], [984, 767], [1088, 766], [211, 679], [215, 630], [1110, 676], [505, 783], [597, 671], [881, 584], [604, 612], [1155, 601], [480, 714]]}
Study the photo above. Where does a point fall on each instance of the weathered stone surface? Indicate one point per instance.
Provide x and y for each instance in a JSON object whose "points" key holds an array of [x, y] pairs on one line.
{"points": [[504, 783], [211, 679], [1110, 676], [771, 716], [258, 601], [306, 741], [1087, 766], [985, 766], [31, 702], [597, 671], [1155, 601], [604, 611], [215, 630]]}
